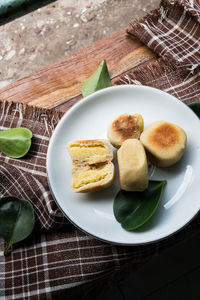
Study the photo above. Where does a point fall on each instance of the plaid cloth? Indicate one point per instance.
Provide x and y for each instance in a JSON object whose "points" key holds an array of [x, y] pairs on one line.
{"points": [[173, 32], [57, 256]]}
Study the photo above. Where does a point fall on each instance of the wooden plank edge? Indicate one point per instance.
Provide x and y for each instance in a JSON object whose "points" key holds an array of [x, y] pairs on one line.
{"points": [[64, 107]]}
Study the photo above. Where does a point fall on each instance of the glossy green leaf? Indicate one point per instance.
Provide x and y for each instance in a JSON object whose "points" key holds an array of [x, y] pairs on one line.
{"points": [[133, 209], [195, 106], [15, 142], [17, 220], [100, 79]]}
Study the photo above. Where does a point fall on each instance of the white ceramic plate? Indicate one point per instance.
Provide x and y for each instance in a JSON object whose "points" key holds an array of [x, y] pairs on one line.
{"points": [[93, 212]]}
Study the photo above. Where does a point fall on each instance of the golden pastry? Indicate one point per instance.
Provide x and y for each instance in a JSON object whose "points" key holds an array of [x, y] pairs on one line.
{"points": [[165, 143], [90, 151], [91, 178], [133, 169], [125, 127], [92, 165]]}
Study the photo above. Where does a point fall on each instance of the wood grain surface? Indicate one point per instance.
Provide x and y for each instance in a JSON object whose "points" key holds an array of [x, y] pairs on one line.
{"points": [[59, 85]]}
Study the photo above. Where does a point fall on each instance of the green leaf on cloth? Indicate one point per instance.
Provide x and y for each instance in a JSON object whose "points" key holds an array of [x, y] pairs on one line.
{"points": [[100, 79], [133, 209], [15, 142], [195, 106], [17, 220]]}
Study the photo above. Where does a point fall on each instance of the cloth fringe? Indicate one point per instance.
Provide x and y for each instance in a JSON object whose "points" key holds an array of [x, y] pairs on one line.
{"points": [[20, 110], [180, 48]]}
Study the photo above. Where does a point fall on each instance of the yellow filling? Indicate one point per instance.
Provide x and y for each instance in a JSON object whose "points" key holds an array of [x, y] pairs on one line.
{"points": [[140, 122], [89, 176], [85, 152]]}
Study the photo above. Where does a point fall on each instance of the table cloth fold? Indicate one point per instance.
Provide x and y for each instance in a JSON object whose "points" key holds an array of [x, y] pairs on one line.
{"points": [[173, 32], [57, 256]]}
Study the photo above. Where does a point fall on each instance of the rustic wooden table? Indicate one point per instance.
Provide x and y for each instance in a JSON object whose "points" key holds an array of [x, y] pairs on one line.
{"points": [[59, 85]]}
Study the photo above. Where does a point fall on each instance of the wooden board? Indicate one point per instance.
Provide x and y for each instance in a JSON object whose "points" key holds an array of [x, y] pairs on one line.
{"points": [[58, 84]]}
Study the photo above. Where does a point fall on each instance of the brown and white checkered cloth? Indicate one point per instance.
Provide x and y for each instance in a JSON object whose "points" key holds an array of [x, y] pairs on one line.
{"points": [[57, 256], [173, 32]]}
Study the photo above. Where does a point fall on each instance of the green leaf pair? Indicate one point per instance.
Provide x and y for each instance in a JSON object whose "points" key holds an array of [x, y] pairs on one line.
{"points": [[15, 142], [133, 209], [100, 79], [17, 220], [16, 216]]}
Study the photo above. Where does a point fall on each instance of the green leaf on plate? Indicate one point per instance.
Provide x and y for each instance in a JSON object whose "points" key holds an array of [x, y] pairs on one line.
{"points": [[15, 142], [17, 220], [133, 209], [195, 106], [100, 79]]}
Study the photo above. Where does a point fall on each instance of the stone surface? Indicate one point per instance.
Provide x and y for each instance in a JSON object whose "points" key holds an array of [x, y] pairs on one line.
{"points": [[52, 32]]}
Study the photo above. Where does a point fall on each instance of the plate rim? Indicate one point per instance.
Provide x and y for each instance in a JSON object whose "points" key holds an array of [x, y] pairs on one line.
{"points": [[74, 107]]}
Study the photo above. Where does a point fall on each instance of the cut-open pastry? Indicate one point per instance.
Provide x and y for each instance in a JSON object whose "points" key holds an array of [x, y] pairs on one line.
{"points": [[90, 178], [90, 151], [165, 143], [125, 127], [92, 165], [133, 169]]}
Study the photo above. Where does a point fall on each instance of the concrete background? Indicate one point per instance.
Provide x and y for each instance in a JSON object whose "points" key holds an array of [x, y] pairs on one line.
{"points": [[54, 31]]}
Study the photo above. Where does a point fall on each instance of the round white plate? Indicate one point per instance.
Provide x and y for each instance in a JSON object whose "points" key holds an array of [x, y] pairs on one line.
{"points": [[93, 212]]}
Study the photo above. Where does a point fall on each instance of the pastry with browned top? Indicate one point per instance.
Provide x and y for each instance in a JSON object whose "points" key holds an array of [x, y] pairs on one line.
{"points": [[165, 143], [125, 127]]}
